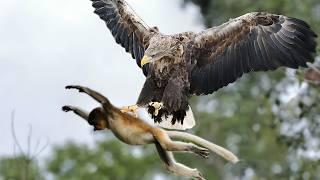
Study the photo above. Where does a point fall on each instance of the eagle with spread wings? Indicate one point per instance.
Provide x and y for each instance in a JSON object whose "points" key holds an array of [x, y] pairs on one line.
{"points": [[185, 64]]}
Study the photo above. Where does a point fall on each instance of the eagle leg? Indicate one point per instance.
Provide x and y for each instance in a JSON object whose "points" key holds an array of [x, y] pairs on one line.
{"points": [[130, 109], [157, 106]]}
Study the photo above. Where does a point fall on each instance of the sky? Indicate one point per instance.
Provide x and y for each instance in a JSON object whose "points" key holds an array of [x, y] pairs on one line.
{"points": [[48, 44]]}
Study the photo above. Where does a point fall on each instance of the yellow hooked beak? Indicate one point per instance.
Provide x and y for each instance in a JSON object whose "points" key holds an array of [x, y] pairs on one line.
{"points": [[145, 60]]}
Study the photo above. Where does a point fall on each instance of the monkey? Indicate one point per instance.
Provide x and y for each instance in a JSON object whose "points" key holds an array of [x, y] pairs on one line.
{"points": [[134, 131]]}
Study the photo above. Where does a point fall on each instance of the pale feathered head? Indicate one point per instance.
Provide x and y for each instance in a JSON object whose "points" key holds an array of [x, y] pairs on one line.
{"points": [[160, 47]]}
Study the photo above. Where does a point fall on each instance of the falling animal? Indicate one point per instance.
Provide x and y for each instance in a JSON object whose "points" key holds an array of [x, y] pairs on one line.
{"points": [[134, 131], [185, 64]]}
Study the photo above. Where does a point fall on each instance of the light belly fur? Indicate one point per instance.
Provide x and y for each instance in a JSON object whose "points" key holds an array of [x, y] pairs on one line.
{"points": [[131, 135]]}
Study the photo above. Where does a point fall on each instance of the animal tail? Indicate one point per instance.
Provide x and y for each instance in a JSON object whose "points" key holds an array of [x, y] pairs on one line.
{"points": [[188, 121], [206, 144]]}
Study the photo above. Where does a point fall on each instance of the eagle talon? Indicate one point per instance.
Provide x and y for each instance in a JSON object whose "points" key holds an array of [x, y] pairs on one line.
{"points": [[157, 106]]}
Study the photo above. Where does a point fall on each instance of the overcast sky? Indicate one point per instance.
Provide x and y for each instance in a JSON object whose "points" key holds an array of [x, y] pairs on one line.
{"points": [[48, 44]]}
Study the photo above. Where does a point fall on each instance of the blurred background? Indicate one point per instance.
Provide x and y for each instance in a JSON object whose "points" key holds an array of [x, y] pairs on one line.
{"points": [[271, 120]]}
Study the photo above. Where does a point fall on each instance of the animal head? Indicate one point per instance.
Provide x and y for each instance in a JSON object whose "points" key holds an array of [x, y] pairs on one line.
{"points": [[160, 47], [98, 118]]}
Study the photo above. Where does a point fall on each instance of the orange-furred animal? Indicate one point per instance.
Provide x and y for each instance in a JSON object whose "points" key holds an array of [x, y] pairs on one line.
{"points": [[134, 131]]}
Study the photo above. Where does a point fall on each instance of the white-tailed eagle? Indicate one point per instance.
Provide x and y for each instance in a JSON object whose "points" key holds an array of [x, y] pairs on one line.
{"points": [[185, 64]]}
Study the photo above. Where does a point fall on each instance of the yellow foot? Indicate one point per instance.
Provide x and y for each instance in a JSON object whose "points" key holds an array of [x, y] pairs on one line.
{"points": [[157, 106], [130, 109]]}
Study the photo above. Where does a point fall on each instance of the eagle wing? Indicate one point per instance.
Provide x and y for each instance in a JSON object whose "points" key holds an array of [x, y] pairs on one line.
{"points": [[252, 42], [126, 28]]}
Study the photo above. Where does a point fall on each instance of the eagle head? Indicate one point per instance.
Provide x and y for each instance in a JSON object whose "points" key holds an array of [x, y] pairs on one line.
{"points": [[160, 47]]}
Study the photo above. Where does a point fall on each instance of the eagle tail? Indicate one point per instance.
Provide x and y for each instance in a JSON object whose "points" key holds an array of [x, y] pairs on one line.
{"points": [[188, 121]]}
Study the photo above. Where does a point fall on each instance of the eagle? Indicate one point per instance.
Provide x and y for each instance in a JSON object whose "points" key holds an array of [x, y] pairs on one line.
{"points": [[181, 65]]}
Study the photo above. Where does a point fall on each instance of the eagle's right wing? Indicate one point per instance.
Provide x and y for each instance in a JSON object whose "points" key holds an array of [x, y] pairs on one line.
{"points": [[126, 28]]}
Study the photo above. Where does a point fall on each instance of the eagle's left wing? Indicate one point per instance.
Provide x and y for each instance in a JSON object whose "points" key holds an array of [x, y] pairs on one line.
{"points": [[127, 29], [252, 42]]}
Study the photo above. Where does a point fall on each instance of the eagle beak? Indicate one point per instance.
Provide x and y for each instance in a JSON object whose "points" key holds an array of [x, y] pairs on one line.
{"points": [[145, 60]]}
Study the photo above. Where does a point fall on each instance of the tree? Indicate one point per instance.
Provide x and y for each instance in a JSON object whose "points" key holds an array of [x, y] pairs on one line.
{"points": [[19, 168], [108, 159]]}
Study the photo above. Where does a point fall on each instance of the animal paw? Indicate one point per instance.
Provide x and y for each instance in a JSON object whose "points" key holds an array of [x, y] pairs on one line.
{"points": [[67, 108], [130, 109], [197, 175], [79, 88], [203, 152]]}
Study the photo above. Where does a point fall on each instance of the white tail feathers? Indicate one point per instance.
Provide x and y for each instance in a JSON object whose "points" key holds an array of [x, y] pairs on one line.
{"points": [[204, 143], [188, 122]]}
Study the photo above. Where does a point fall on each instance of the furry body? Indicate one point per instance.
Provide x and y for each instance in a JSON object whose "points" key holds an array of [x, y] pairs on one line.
{"points": [[132, 130]]}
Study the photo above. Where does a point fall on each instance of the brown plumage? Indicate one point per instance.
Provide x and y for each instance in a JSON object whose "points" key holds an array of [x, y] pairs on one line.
{"points": [[178, 66]]}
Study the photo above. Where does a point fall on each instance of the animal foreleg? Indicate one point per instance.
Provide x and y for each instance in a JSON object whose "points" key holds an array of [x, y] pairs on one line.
{"points": [[94, 94], [77, 111]]}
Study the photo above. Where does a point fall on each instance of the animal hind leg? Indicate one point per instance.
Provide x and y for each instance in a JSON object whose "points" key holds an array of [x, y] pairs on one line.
{"points": [[94, 94], [169, 145], [174, 167]]}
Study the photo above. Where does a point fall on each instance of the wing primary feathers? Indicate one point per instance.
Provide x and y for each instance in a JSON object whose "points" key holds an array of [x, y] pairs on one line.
{"points": [[127, 29], [228, 66], [273, 50], [125, 39], [244, 57], [250, 59], [252, 42], [134, 46], [119, 33], [237, 70], [259, 61]]}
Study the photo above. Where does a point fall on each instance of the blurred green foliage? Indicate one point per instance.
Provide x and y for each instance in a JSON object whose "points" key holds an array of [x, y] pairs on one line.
{"points": [[19, 168], [109, 159], [271, 120]]}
